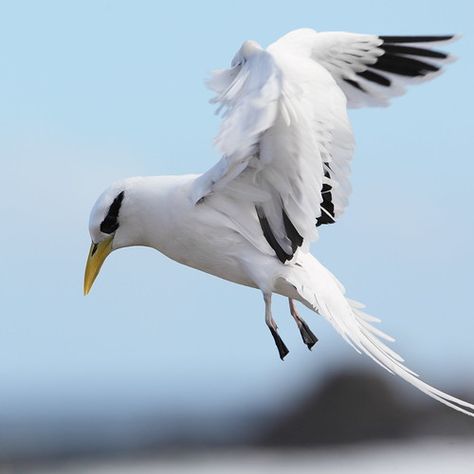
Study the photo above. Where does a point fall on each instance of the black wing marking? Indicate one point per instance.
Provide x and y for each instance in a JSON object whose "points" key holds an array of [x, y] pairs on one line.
{"points": [[416, 39], [327, 206], [403, 58], [291, 232], [354, 84], [295, 238], [375, 77], [327, 217], [403, 65], [413, 51]]}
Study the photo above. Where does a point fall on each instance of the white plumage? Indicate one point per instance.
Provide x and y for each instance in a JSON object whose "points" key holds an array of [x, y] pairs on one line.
{"points": [[278, 135], [286, 145]]}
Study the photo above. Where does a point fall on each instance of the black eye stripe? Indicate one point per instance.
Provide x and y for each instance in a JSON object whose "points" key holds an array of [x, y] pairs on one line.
{"points": [[110, 223]]}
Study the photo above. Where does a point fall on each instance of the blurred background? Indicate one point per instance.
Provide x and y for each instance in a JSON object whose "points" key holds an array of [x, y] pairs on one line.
{"points": [[137, 376]]}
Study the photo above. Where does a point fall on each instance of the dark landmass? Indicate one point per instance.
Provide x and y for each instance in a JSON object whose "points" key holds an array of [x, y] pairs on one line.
{"points": [[361, 407], [350, 407]]}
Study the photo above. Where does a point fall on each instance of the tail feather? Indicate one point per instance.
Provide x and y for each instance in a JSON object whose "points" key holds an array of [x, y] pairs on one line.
{"points": [[375, 331], [321, 291]]}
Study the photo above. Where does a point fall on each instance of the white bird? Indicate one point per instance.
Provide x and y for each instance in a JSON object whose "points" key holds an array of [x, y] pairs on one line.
{"points": [[286, 145]]}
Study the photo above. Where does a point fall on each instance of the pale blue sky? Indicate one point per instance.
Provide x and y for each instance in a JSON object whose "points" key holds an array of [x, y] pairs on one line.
{"points": [[93, 91]]}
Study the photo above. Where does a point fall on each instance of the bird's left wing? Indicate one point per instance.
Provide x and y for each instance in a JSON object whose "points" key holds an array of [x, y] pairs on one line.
{"points": [[370, 69], [286, 146]]}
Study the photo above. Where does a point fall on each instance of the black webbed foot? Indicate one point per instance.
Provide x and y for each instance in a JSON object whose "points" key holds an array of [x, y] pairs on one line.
{"points": [[282, 349], [307, 335]]}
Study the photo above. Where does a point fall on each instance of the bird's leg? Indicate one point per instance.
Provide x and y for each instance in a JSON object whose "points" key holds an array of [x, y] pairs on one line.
{"points": [[282, 349], [307, 335]]}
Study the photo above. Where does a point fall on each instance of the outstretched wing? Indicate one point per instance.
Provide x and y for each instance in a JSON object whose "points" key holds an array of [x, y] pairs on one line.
{"points": [[286, 145], [285, 137], [370, 69]]}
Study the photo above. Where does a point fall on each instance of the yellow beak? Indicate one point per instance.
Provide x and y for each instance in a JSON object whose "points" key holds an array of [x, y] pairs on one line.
{"points": [[97, 255]]}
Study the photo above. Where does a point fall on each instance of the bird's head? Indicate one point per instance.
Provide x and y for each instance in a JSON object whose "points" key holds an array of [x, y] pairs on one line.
{"points": [[109, 227], [248, 49]]}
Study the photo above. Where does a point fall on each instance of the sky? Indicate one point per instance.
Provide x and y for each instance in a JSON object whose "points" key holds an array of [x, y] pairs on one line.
{"points": [[94, 91]]}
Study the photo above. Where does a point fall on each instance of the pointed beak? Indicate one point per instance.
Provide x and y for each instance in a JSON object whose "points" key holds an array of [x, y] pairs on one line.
{"points": [[97, 255]]}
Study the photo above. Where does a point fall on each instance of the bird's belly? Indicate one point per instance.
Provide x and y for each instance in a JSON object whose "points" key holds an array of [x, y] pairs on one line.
{"points": [[219, 251]]}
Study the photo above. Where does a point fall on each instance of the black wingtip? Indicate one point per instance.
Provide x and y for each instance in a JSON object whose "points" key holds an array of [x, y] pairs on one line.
{"points": [[413, 51], [404, 65], [354, 84], [416, 39], [375, 77]]}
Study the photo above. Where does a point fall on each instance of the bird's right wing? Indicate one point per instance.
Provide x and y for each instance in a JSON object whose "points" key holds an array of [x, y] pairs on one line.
{"points": [[370, 69]]}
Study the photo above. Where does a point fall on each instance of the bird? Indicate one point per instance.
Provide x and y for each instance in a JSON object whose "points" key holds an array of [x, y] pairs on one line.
{"points": [[285, 145]]}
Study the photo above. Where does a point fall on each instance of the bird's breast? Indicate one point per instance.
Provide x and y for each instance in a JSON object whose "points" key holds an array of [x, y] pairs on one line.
{"points": [[201, 238]]}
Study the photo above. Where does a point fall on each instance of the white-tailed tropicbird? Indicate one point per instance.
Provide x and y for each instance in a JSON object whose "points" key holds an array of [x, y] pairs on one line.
{"points": [[286, 145]]}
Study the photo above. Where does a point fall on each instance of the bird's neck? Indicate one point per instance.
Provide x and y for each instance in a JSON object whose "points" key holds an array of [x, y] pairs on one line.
{"points": [[151, 209]]}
